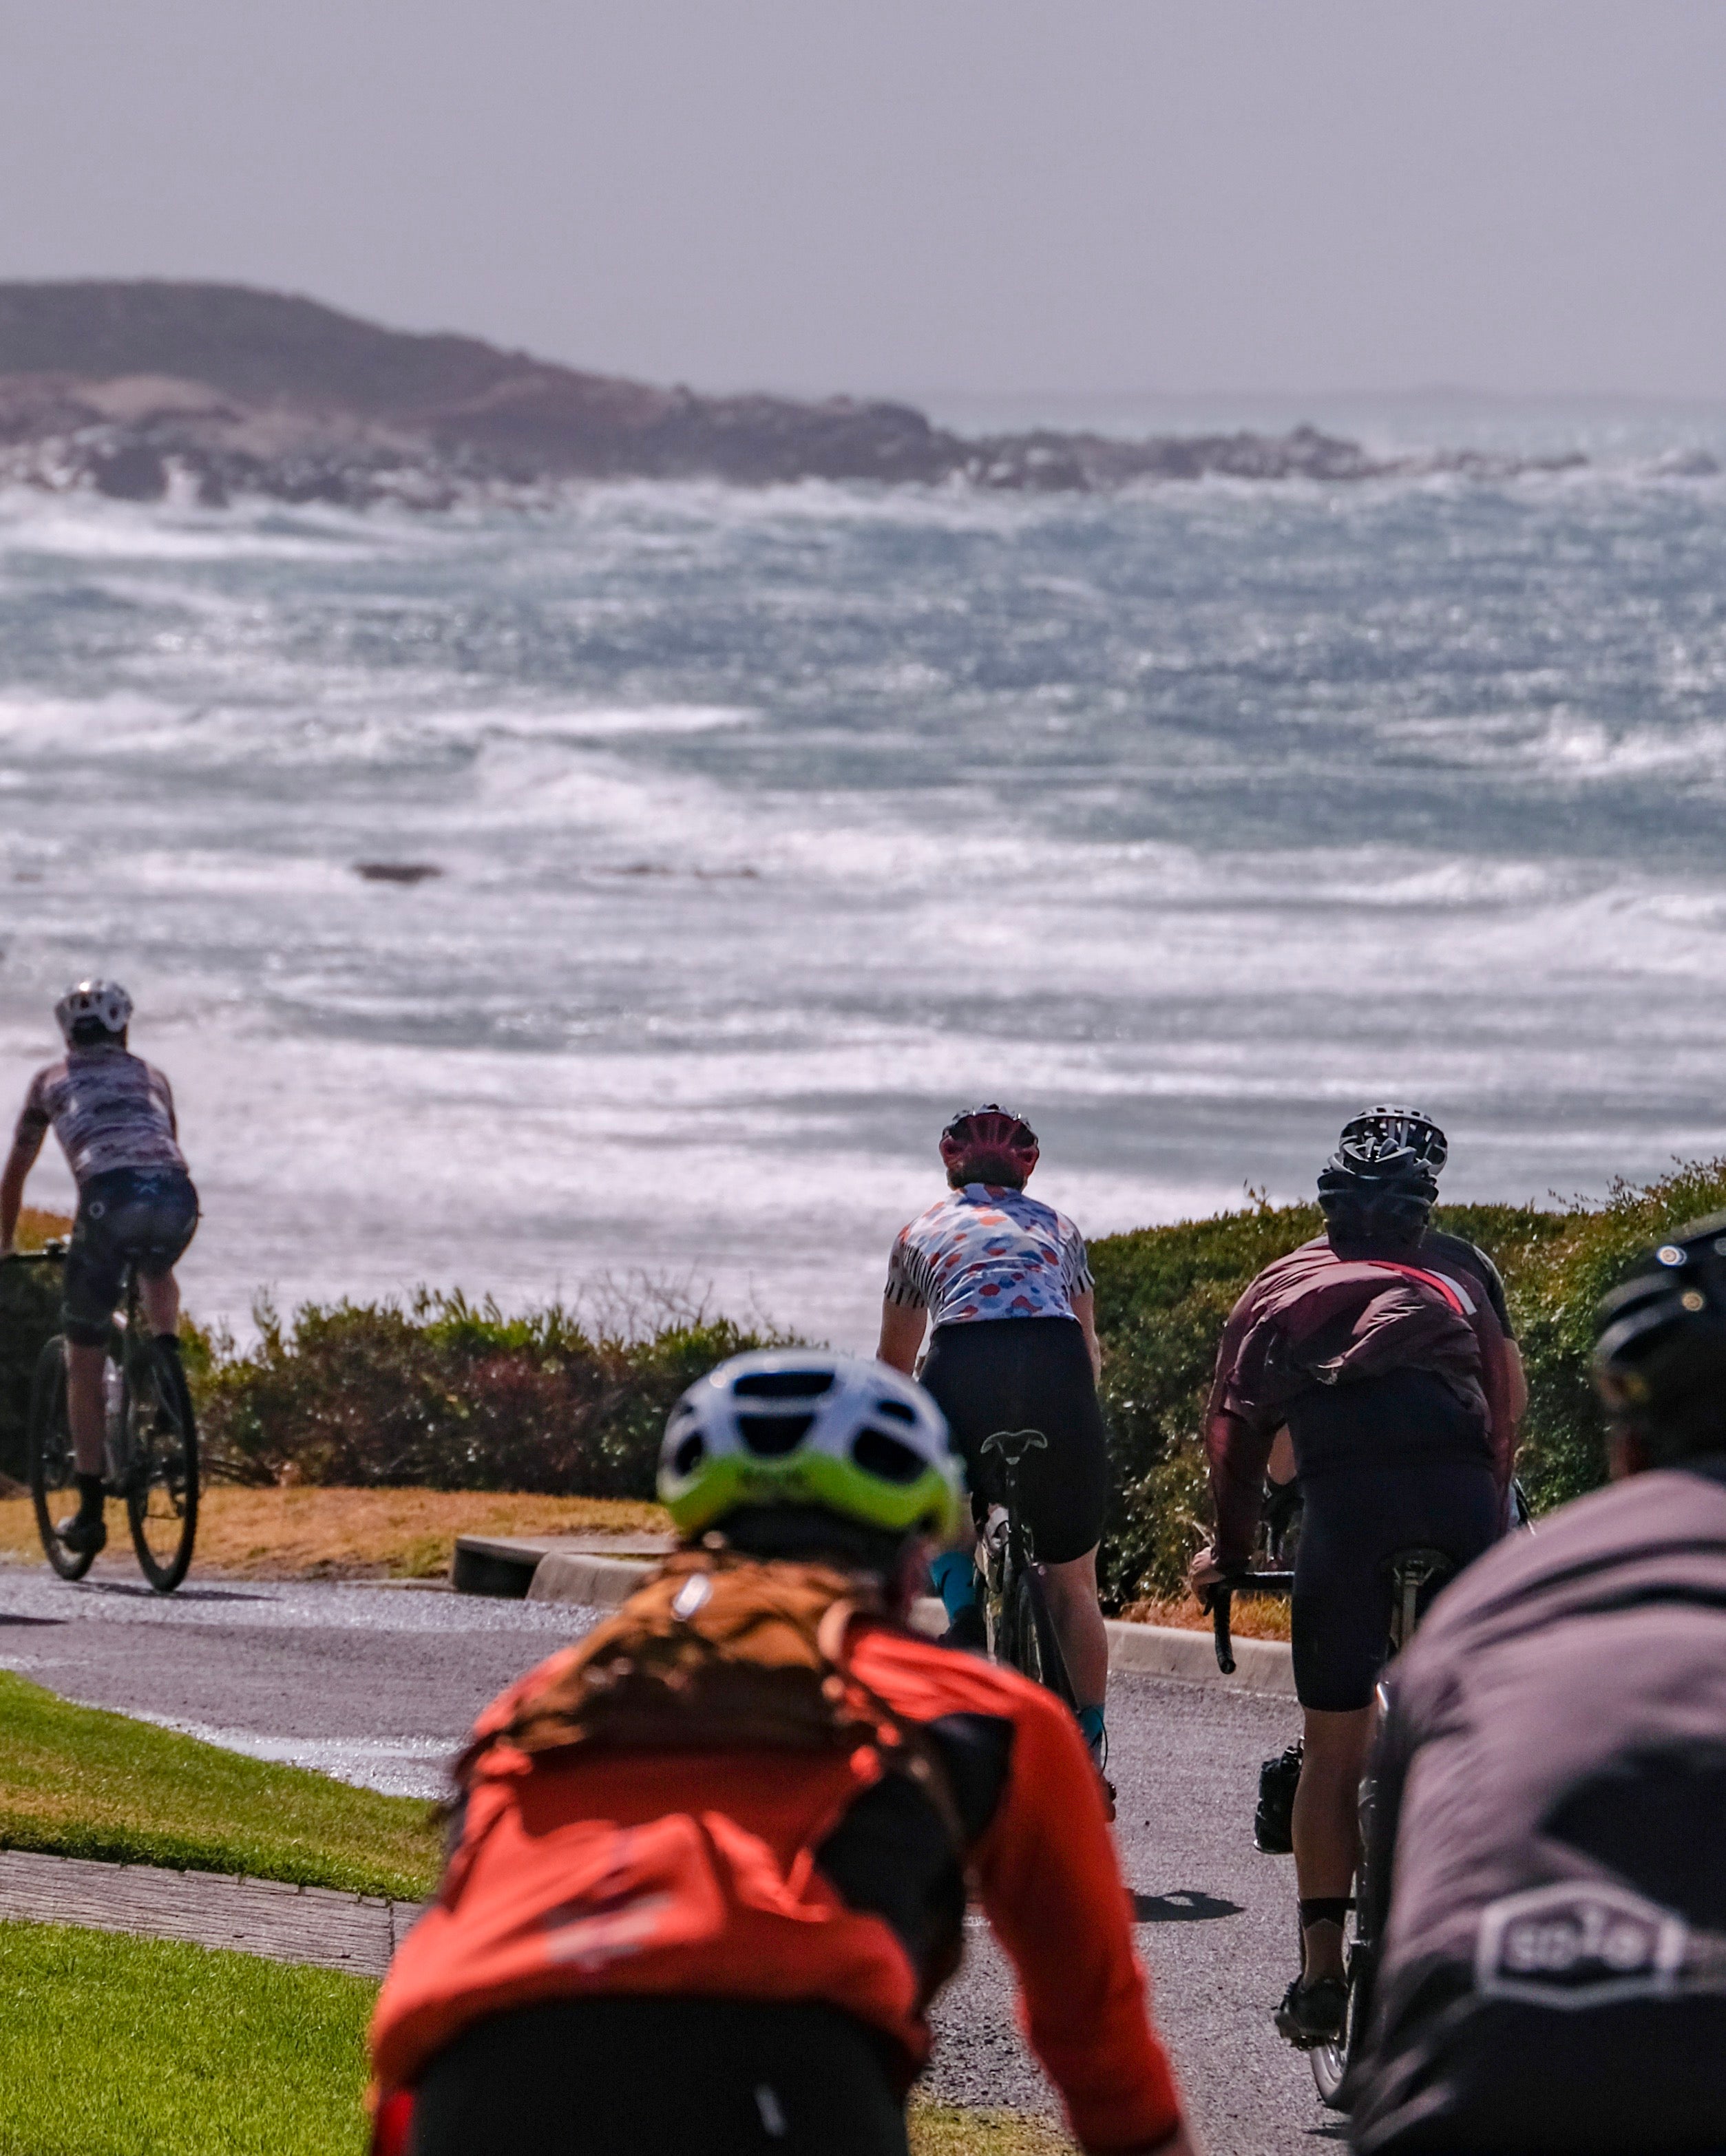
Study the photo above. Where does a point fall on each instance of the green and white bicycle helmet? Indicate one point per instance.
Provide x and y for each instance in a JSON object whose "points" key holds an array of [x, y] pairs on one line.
{"points": [[790, 1426]]}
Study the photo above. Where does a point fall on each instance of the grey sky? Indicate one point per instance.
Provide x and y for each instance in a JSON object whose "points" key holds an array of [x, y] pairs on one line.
{"points": [[999, 195]]}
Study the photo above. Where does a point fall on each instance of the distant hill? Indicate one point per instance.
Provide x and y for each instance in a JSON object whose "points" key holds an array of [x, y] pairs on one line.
{"points": [[260, 347], [137, 388]]}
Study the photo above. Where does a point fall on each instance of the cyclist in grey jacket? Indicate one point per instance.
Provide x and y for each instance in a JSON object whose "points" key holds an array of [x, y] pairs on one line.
{"points": [[1549, 1822], [114, 1115]]}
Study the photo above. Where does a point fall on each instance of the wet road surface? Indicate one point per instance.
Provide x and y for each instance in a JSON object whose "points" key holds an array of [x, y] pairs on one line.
{"points": [[378, 1685]]}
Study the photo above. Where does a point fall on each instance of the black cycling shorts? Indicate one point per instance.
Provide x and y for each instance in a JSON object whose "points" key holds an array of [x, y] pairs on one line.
{"points": [[1028, 1374], [621, 2076], [1391, 1464], [139, 1216]]}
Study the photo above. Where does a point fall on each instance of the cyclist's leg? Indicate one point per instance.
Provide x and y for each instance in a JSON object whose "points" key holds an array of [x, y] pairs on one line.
{"points": [[160, 1294], [1340, 1618], [90, 1289], [1077, 1614], [1064, 1493], [1326, 1831], [958, 1374], [1386, 1471]]}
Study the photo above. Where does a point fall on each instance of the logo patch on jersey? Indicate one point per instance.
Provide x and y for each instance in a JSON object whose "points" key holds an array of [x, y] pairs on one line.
{"points": [[1578, 1943]]}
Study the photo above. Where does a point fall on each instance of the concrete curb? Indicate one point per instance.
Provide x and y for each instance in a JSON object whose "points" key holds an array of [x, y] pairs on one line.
{"points": [[1150, 1650], [314, 1926]]}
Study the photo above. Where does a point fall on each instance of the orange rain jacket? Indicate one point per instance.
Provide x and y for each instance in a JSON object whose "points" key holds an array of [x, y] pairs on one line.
{"points": [[693, 1874]]}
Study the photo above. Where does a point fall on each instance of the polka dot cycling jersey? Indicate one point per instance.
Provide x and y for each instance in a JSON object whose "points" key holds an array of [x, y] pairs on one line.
{"points": [[989, 1252]]}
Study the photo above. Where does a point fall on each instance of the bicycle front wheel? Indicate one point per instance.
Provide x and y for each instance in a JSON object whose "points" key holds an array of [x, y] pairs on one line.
{"points": [[162, 1466], [1030, 1638], [52, 1486]]}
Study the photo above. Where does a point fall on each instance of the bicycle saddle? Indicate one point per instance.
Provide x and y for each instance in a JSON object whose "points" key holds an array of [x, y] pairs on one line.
{"points": [[1011, 1445]]}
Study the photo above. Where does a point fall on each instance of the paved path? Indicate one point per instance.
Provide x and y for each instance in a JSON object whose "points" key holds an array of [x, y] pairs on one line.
{"points": [[378, 1685]]}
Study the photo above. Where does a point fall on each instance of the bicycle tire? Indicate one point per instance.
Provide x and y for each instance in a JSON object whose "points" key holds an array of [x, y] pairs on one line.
{"points": [[1330, 2062], [161, 1480], [51, 1465], [1034, 1648]]}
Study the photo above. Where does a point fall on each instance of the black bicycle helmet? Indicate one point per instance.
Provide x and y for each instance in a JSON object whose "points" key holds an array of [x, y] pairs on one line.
{"points": [[1368, 1194], [1393, 1127], [1660, 1359]]}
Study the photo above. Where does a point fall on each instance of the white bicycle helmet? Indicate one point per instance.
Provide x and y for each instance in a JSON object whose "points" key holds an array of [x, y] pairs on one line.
{"points": [[791, 1426], [105, 1002]]}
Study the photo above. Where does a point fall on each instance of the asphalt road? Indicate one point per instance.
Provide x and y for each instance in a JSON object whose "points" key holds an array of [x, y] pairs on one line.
{"points": [[378, 1684]]}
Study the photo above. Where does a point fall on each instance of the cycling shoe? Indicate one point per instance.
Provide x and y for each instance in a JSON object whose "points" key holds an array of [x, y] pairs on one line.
{"points": [[1314, 2014], [968, 1630], [84, 1535]]}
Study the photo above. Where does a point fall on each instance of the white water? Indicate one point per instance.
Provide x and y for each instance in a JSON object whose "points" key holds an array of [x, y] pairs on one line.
{"points": [[774, 826]]}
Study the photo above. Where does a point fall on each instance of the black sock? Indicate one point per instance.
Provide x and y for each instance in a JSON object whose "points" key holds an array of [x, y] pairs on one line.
{"points": [[1325, 1909], [171, 1341], [90, 1495]]}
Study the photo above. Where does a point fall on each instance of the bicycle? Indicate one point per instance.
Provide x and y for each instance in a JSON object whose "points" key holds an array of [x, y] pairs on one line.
{"points": [[1021, 1632], [1415, 1575], [149, 1446]]}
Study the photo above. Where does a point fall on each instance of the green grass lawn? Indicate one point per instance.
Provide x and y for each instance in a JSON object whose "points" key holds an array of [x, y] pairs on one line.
{"points": [[79, 1782], [115, 2047]]}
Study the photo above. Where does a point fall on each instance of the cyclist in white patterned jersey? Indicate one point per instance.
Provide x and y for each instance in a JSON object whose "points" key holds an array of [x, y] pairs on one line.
{"points": [[114, 1115], [1003, 1286]]}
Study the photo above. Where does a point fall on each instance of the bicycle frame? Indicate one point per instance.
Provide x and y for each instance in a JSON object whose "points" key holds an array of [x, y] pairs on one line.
{"points": [[1006, 1557]]}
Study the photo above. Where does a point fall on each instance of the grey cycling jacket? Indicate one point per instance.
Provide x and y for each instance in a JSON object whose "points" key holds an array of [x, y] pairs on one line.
{"points": [[1552, 1780]]}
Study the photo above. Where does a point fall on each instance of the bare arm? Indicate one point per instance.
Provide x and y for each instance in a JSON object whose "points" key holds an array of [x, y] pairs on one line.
{"points": [[902, 1334], [1085, 1310], [18, 1163]]}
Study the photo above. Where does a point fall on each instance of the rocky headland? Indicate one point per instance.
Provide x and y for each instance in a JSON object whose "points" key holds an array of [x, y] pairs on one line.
{"points": [[146, 390]]}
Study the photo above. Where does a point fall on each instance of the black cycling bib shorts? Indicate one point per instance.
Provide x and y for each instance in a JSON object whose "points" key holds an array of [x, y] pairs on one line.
{"points": [[989, 1374]]}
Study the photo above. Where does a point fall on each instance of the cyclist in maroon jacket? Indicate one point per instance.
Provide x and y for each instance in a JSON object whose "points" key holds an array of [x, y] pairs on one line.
{"points": [[1379, 1349]]}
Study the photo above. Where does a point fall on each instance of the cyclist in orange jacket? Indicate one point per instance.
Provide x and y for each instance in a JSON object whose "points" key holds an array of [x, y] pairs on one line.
{"points": [[710, 1864]]}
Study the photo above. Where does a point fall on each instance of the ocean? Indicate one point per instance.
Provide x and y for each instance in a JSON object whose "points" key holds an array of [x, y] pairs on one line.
{"points": [[770, 827]]}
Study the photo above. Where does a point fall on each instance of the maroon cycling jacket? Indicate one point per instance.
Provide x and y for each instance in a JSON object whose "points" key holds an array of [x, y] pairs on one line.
{"points": [[1318, 1318]]}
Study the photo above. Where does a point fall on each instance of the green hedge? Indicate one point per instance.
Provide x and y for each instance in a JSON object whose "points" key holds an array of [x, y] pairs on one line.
{"points": [[1163, 1295], [451, 1394], [457, 1396]]}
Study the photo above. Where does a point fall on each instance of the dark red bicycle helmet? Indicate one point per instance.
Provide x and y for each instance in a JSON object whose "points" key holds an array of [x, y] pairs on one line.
{"points": [[988, 1133]]}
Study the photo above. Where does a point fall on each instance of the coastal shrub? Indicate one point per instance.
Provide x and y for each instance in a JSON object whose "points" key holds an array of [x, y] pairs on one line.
{"points": [[454, 1395], [451, 1394], [1163, 1294]]}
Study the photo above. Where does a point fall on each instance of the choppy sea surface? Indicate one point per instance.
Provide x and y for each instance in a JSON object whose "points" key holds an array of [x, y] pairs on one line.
{"points": [[773, 826]]}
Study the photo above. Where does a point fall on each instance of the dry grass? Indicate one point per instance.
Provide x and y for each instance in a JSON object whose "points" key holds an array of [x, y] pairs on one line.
{"points": [[944, 2130], [316, 1533], [35, 1227], [1254, 1616]]}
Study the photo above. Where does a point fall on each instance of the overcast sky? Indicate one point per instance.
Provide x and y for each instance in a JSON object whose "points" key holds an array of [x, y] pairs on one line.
{"points": [[989, 195]]}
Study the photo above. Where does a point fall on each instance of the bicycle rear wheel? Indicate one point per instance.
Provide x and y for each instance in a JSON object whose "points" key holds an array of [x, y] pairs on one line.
{"points": [[161, 1469], [1330, 2061], [1029, 1637], [51, 1463]]}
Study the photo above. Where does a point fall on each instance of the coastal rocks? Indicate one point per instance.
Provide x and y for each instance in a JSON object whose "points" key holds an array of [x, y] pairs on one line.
{"points": [[149, 390]]}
